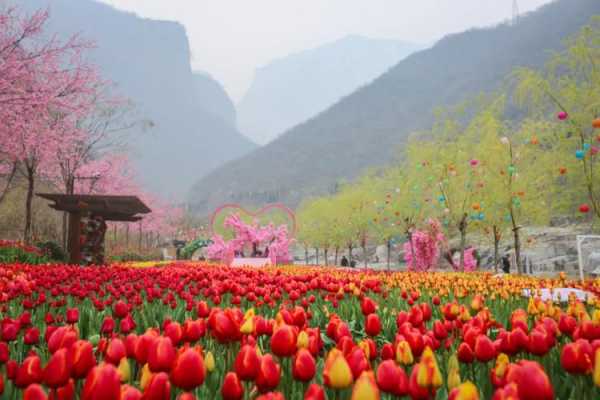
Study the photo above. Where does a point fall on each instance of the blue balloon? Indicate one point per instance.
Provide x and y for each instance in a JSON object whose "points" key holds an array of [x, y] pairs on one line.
{"points": [[481, 216], [580, 154], [586, 146], [442, 198]]}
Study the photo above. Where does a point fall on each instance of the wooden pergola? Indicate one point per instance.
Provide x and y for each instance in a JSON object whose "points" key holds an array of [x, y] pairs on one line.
{"points": [[109, 208]]}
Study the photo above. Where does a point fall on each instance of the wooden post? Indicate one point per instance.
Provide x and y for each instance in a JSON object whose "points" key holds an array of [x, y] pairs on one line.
{"points": [[74, 233]]}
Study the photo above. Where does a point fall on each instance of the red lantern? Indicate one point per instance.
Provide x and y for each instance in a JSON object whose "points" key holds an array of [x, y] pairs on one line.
{"points": [[584, 208], [596, 123]]}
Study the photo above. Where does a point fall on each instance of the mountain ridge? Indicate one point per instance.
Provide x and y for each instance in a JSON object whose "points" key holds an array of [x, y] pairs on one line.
{"points": [[366, 128]]}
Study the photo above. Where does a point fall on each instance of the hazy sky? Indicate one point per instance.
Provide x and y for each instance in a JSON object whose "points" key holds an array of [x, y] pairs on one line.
{"points": [[230, 38]]}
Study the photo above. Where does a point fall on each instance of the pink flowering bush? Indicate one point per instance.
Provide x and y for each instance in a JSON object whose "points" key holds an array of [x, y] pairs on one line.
{"points": [[426, 247]]}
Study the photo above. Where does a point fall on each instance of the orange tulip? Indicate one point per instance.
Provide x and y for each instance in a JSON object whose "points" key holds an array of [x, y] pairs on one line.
{"points": [[188, 371], [247, 363], [303, 366], [232, 388], [365, 387], [404, 354], [336, 372], [102, 383]]}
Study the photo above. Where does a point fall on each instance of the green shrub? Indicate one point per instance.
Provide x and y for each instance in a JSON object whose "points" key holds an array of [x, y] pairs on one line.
{"points": [[53, 250]]}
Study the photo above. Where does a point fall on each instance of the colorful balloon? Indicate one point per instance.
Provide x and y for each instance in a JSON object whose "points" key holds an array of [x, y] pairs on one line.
{"points": [[562, 115]]}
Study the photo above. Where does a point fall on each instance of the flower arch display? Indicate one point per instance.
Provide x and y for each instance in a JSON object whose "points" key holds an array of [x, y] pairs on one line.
{"points": [[265, 234]]}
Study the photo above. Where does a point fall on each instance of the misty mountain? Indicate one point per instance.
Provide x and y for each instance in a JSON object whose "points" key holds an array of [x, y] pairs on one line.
{"points": [[292, 89], [368, 127], [149, 62], [213, 98]]}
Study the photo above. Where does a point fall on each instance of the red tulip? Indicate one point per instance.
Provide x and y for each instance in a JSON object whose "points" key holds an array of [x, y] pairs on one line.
{"points": [[108, 326], [63, 336], [392, 379], [303, 366], [34, 392], [120, 309], [373, 325], [82, 359], [531, 380], [193, 330], [203, 309], [130, 393], [223, 325], [4, 353], [188, 370], [269, 374], [232, 388], [439, 330], [174, 332], [29, 372], [72, 315], [576, 358], [538, 343], [159, 387], [142, 347], [484, 349], [358, 362], [161, 355], [271, 396], [314, 392], [115, 351], [247, 363], [102, 383], [368, 306], [32, 336], [58, 370], [567, 324], [66, 392], [186, 396], [283, 341]]}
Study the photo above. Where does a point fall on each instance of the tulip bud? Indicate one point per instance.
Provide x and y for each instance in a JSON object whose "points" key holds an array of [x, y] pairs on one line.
{"points": [[232, 388], [209, 361], [303, 366], [124, 370], [269, 374], [365, 387], [102, 383], [188, 370], [336, 372], [302, 341]]}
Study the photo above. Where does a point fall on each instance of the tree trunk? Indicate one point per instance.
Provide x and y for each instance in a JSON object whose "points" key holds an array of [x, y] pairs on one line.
{"points": [[350, 253], [325, 253], [518, 249], [409, 236], [9, 179], [140, 237], [306, 255], [337, 250], [364, 249], [317, 255], [127, 235], [462, 227], [497, 237], [389, 251], [28, 202]]}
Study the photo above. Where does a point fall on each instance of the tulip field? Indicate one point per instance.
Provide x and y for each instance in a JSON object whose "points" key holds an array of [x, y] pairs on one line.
{"points": [[204, 331]]}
